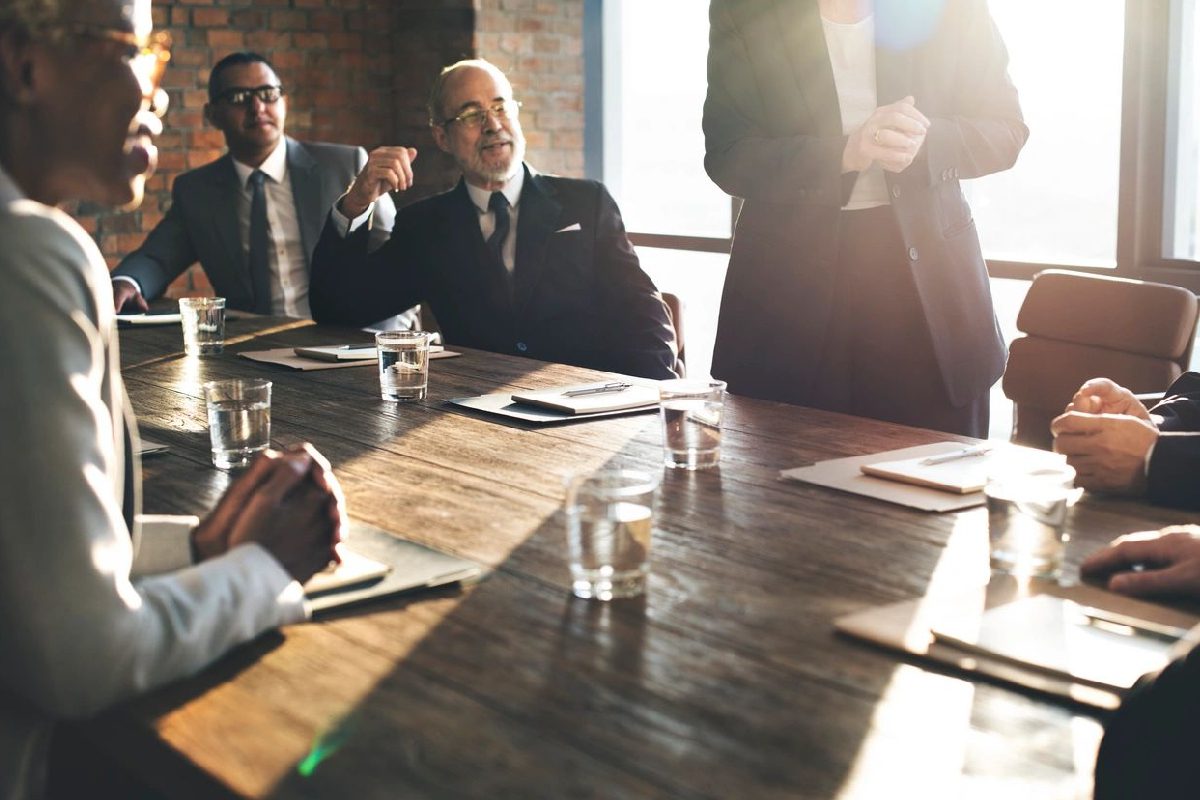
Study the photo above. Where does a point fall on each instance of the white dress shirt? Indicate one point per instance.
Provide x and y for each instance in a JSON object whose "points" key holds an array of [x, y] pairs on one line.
{"points": [[285, 255], [852, 56]]}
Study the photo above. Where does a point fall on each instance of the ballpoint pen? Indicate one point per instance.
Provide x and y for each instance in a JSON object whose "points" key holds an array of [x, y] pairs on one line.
{"points": [[966, 452], [357, 347], [615, 386]]}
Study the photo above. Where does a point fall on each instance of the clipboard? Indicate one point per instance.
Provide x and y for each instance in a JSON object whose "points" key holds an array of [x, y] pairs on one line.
{"points": [[947, 631], [409, 567]]}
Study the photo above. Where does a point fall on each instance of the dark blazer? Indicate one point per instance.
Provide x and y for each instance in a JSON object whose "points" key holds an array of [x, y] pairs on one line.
{"points": [[202, 223], [1174, 475], [578, 293], [773, 136], [1149, 745]]}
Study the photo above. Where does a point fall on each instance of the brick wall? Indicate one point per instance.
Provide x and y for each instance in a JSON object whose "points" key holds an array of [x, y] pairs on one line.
{"points": [[539, 45], [358, 71]]}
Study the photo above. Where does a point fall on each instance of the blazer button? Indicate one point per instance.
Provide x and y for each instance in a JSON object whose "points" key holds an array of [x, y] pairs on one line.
{"points": [[912, 254], [896, 191], [522, 346]]}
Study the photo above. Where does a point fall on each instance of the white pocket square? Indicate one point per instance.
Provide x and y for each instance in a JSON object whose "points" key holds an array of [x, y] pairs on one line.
{"points": [[572, 227]]}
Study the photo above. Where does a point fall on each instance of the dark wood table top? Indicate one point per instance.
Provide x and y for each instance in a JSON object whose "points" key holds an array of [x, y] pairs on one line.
{"points": [[726, 680]]}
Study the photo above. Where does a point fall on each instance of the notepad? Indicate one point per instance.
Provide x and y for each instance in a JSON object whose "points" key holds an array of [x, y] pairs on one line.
{"points": [[1056, 637], [558, 399], [342, 352], [354, 569], [963, 474]]}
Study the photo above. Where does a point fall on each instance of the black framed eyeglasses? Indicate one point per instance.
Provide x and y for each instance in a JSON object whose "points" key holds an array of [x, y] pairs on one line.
{"points": [[240, 96], [473, 118]]}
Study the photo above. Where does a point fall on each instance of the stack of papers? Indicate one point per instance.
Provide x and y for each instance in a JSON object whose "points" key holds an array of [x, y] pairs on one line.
{"points": [[923, 477]]}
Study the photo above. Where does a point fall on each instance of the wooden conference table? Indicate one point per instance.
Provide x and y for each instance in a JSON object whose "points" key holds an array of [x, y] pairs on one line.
{"points": [[725, 681]]}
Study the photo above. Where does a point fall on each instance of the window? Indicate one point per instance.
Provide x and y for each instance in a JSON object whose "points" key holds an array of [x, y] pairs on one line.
{"points": [[1181, 184], [1058, 205]]}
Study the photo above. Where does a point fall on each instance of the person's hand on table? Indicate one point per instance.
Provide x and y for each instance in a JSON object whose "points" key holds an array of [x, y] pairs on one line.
{"points": [[1108, 451], [1103, 396], [892, 135], [290, 503], [127, 299], [1150, 563]]}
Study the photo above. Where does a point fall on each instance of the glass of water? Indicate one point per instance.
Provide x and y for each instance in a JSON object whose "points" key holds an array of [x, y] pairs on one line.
{"points": [[203, 320], [403, 364], [239, 420], [608, 532], [691, 417], [1027, 519]]}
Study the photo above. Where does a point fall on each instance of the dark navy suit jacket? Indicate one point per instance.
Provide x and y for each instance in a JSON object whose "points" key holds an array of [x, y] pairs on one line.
{"points": [[577, 294], [1174, 475], [773, 136]]}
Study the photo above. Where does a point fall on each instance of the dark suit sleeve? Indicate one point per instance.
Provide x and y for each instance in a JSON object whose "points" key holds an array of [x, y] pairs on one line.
{"points": [[349, 286], [984, 131], [740, 155], [1174, 475], [166, 253], [1149, 746], [643, 340]]}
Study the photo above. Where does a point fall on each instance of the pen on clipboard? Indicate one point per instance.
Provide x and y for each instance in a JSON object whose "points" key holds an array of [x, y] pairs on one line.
{"points": [[615, 386], [966, 452], [357, 347]]}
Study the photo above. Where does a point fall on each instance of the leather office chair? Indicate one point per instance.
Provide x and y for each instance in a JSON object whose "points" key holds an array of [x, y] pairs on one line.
{"points": [[675, 307], [1080, 326]]}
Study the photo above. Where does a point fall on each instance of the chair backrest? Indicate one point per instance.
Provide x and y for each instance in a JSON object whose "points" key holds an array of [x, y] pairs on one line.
{"points": [[675, 307], [1079, 326]]}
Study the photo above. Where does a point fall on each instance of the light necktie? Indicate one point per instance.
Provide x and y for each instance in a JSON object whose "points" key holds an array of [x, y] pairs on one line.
{"points": [[260, 268], [498, 205]]}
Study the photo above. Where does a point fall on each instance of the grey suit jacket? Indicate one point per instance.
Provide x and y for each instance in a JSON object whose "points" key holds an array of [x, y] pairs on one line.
{"points": [[79, 631], [202, 223]]}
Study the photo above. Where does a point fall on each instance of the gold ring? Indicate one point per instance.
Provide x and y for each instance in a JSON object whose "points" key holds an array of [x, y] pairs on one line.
{"points": [[876, 136]]}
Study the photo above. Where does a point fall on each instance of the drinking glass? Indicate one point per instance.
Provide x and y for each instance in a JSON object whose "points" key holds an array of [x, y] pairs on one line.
{"points": [[691, 413], [609, 522], [239, 420]]}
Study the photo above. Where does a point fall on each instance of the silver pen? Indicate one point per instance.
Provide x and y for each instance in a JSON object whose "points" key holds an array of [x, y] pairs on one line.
{"points": [[966, 452], [615, 386]]}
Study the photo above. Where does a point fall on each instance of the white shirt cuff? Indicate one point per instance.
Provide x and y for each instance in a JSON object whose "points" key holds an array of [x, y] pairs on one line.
{"points": [[164, 543], [288, 593], [128, 279], [345, 225]]}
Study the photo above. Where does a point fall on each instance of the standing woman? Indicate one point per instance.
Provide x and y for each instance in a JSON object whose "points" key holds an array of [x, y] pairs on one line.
{"points": [[856, 281]]}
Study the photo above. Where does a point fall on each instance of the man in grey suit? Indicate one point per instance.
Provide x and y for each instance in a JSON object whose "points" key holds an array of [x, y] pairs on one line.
{"points": [[252, 217], [99, 602]]}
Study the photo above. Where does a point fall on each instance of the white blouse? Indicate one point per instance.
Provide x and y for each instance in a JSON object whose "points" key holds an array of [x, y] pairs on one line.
{"points": [[852, 56]]}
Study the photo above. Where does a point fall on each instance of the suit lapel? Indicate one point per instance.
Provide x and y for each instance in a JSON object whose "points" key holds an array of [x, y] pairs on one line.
{"points": [[798, 22], [539, 214], [224, 199], [306, 194]]}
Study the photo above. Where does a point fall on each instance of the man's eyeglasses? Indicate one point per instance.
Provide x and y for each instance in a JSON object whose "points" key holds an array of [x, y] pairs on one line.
{"points": [[239, 96], [147, 54], [475, 117]]}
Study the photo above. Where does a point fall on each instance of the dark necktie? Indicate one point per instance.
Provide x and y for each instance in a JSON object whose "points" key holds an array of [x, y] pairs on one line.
{"points": [[498, 205], [260, 268]]}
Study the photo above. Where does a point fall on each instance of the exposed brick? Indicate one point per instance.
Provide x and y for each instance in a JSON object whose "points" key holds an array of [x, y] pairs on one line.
{"points": [[358, 72]]}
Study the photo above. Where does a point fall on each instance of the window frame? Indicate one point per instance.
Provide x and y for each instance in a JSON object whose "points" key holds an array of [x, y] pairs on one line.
{"points": [[1148, 111]]}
